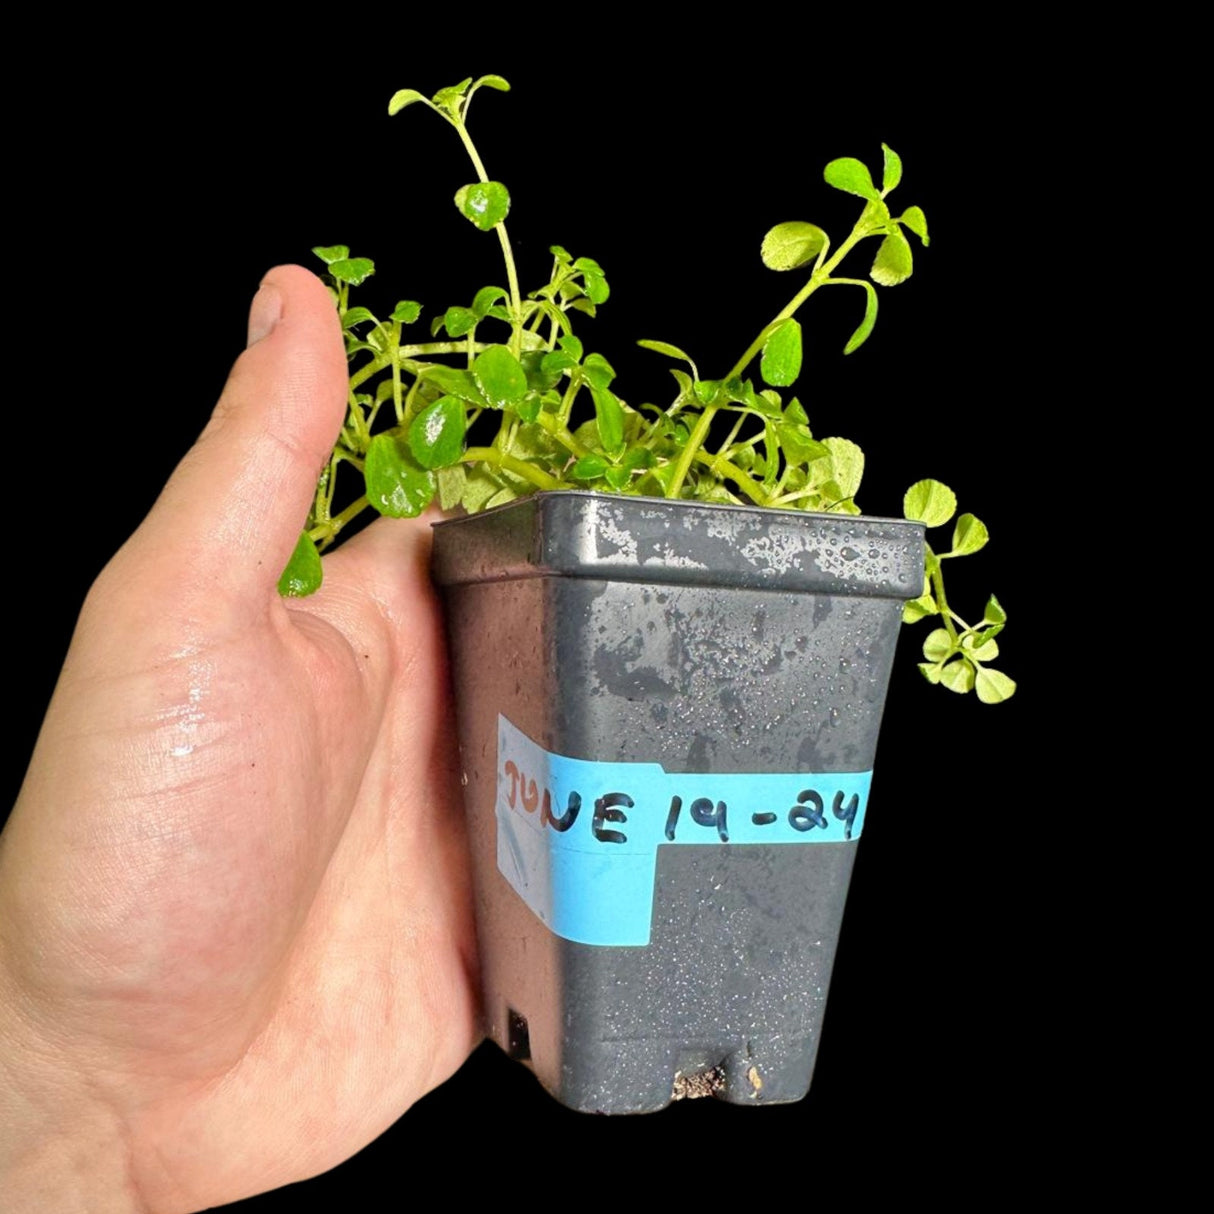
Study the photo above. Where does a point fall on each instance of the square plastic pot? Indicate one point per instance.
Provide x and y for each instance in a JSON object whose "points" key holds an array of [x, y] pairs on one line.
{"points": [[668, 715]]}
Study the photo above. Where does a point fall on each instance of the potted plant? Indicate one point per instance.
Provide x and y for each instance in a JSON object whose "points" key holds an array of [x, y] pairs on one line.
{"points": [[672, 631]]}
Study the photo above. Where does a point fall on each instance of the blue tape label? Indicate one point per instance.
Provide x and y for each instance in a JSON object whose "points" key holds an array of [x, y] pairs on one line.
{"points": [[578, 840]]}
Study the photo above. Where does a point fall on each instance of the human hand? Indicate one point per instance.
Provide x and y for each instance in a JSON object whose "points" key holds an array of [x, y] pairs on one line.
{"points": [[236, 939]]}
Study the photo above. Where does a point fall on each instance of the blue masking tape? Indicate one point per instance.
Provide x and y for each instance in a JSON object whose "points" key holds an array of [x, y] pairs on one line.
{"points": [[578, 840]]}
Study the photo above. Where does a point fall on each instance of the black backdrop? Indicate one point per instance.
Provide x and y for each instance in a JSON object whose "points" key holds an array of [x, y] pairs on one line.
{"points": [[183, 186]]}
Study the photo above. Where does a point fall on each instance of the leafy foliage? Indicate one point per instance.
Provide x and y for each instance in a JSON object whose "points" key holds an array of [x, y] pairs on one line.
{"points": [[504, 399]]}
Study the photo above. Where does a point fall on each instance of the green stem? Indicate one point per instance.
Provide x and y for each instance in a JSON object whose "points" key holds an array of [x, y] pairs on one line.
{"points": [[326, 533], [499, 459], [516, 296], [936, 577], [743, 480], [819, 277]]}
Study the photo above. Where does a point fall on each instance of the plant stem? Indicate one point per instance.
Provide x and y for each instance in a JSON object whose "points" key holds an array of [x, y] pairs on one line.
{"points": [[326, 533], [819, 277], [510, 463], [516, 297], [936, 576]]}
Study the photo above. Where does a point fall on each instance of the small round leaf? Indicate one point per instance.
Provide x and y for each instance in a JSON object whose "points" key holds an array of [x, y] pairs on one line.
{"points": [[994, 686], [484, 203], [500, 377], [304, 571], [852, 177], [969, 535], [354, 270], [436, 434], [938, 646], [958, 676], [782, 355], [331, 253], [929, 502], [894, 261], [789, 245], [396, 484]]}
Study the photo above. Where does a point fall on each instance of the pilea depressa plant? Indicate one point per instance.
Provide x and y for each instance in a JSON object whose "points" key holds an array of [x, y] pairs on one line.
{"points": [[504, 399]]}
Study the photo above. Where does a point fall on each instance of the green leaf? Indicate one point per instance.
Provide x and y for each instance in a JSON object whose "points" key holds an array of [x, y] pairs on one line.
{"points": [[500, 377], [451, 485], [914, 218], [407, 311], [455, 382], [355, 316], [930, 671], [596, 287], [795, 413], [354, 270], [892, 169], [847, 461], [396, 485], [589, 467], [686, 383], [436, 434], [929, 502], [782, 354], [790, 245], [598, 371], [557, 363], [617, 477], [938, 645], [664, 347], [588, 263], [994, 613], [860, 336], [798, 445], [402, 98], [459, 321], [571, 345], [969, 535], [501, 497], [304, 571], [449, 98], [485, 298], [919, 609], [493, 82], [609, 415], [958, 676], [484, 203], [980, 648], [852, 177], [331, 253], [480, 488], [994, 686], [706, 390], [894, 261]]}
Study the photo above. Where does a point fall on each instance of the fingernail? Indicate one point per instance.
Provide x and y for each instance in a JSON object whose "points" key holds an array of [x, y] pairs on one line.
{"points": [[264, 313]]}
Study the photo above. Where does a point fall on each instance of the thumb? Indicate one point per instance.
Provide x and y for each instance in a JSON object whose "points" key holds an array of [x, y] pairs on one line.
{"points": [[231, 514]]}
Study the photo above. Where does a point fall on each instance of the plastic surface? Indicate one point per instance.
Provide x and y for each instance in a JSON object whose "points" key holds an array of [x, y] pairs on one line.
{"points": [[704, 639]]}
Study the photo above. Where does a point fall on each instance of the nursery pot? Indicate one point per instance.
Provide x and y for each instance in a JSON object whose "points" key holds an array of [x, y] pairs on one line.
{"points": [[668, 713]]}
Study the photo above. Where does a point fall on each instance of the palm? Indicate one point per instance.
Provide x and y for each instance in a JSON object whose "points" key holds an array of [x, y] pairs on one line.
{"points": [[260, 943]]}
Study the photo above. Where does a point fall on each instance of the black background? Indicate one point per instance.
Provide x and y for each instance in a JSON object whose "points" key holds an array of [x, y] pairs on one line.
{"points": [[185, 184]]}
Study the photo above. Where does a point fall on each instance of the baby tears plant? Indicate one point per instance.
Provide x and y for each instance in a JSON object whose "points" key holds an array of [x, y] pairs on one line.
{"points": [[503, 399]]}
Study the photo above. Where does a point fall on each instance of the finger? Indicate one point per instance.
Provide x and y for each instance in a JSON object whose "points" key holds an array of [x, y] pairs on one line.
{"points": [[230, 516]]}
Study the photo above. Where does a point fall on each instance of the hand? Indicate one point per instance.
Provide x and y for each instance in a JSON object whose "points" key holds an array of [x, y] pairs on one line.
{"points": [[235, 929]]}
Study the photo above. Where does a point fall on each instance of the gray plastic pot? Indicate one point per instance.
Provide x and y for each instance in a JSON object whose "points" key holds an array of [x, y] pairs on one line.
{"points": [[668, 713]]}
